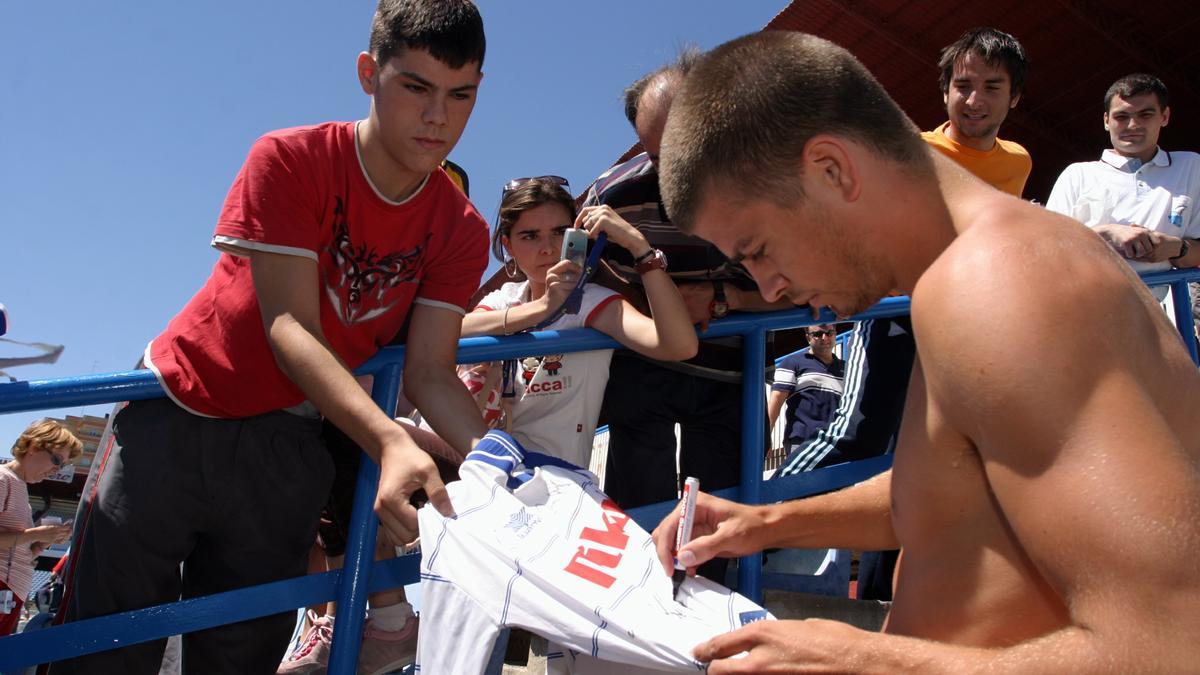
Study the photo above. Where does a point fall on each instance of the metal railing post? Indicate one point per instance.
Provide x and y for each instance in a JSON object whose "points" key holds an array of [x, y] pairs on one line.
{"points": [[754, 354], [1181, 302], [360, 545]]}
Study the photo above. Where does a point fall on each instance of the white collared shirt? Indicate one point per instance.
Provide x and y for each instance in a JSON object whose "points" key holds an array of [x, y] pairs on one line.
{"points": [[1162, 194]]}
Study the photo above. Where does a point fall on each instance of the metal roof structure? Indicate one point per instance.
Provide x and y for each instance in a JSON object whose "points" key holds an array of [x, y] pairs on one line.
{"points": [[1077, 48]]}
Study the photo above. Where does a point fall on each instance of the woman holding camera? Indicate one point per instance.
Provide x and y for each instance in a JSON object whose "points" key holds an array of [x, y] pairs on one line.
{"points": [[555, 399], [42, 449]]}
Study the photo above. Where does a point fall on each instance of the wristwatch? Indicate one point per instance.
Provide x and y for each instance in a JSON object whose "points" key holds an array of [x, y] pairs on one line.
{"points": [[1184, 247], [720, 305], [653, 259]]}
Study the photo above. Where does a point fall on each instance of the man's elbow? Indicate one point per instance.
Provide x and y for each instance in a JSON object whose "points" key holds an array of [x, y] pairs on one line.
{"points": [[420, 378], [283, 333]]}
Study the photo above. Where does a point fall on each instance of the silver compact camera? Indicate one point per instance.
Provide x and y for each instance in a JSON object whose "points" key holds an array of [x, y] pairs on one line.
{"points": [[7, 601]]}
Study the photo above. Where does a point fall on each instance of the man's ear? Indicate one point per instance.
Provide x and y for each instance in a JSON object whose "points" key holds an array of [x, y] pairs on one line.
{"points": [[828, 161], [1013, 103], [1166, 115], [368, 73], [1106, 121]]}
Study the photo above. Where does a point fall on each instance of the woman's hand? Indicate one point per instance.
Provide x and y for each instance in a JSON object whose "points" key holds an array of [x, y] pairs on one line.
{"points": [[48, 534], [597, 219], [560, 281]]}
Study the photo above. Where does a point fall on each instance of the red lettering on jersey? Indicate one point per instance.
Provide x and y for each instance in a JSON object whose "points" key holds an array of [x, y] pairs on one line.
{"points": [[589, 572], [612, 536]]}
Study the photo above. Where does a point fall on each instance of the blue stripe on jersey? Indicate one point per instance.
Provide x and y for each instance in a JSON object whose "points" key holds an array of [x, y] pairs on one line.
{"points": [[505, 441], [499, 450], [650, 565], [549, 544], [504, 463], [437, 547], [508, 594], [536, 459], [596, 635], [434, 577], [575, 514], [480, 507]]}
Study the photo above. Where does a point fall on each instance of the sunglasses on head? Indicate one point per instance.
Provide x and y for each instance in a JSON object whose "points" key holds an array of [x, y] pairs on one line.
{"points": [[820, 333], [518, 182]]}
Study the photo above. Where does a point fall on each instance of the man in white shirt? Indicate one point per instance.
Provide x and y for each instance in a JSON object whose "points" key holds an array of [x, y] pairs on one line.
{"points": [[1140, 198]]}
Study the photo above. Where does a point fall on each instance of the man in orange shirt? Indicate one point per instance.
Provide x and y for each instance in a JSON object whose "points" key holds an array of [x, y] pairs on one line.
{"points": [[983, 76]]}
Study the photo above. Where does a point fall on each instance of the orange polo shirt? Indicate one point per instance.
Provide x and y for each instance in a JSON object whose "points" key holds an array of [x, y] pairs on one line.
{"points": [[1005, 167]]}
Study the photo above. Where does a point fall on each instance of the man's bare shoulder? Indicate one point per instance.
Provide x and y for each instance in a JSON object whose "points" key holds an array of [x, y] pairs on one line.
{"points": [[1020, 281], [1016, 256], [1024, 298]]}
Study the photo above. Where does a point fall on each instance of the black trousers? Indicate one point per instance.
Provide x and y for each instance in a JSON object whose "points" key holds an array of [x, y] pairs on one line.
{"points": [[236, 501], [642, 404]]}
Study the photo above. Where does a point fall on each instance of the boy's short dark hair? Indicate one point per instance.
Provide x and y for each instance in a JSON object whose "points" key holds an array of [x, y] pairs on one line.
{"points": [[995, 47], [450, 30], [1136, 85], [749, 107]]}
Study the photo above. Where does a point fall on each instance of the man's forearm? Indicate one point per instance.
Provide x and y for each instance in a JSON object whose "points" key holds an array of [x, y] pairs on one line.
{"points": [[445, 403], [885, 654], [325, 380], [858, 517], [1070, 649]]}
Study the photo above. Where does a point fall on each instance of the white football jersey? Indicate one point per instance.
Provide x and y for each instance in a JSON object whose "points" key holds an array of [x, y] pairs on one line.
{"points": [[536, 545]]}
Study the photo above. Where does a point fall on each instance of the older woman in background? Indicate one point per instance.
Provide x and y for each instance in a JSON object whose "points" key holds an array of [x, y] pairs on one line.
{"points": [[43, 448]]}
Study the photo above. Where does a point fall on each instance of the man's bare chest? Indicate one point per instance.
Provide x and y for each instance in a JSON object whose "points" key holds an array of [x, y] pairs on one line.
{"points": [[939, 485]]}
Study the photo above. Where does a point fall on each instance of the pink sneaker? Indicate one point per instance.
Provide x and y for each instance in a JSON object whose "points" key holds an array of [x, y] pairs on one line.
{"points": [[386, 651], [311, 654]]}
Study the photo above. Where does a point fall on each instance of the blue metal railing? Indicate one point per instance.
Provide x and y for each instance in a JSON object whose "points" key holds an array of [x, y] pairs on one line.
{"points": [[361, 575]]}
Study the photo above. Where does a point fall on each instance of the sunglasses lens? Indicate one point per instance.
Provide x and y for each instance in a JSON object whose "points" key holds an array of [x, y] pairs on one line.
{"points": [[518, 182]]}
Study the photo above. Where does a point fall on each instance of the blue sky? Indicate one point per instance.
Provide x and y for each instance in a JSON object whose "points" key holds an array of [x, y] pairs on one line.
{"points": [[125, 122]]}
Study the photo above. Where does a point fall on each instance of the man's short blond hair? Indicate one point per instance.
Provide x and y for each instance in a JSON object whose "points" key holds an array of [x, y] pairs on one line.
{"points": [[47, 435], [748, 108]]}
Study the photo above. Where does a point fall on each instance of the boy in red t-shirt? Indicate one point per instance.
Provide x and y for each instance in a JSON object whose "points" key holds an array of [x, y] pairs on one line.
{"points": [[334, 237]]}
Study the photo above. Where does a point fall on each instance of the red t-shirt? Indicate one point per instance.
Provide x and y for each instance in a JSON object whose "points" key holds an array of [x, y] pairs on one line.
{"points": [[304, 192]]}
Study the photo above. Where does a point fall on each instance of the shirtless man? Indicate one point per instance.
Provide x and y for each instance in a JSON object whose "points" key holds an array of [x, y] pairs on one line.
{"points": [[1048, 516]]}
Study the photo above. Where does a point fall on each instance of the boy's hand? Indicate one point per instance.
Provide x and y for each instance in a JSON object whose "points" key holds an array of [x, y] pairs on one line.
{"points": [[404, 469]]}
